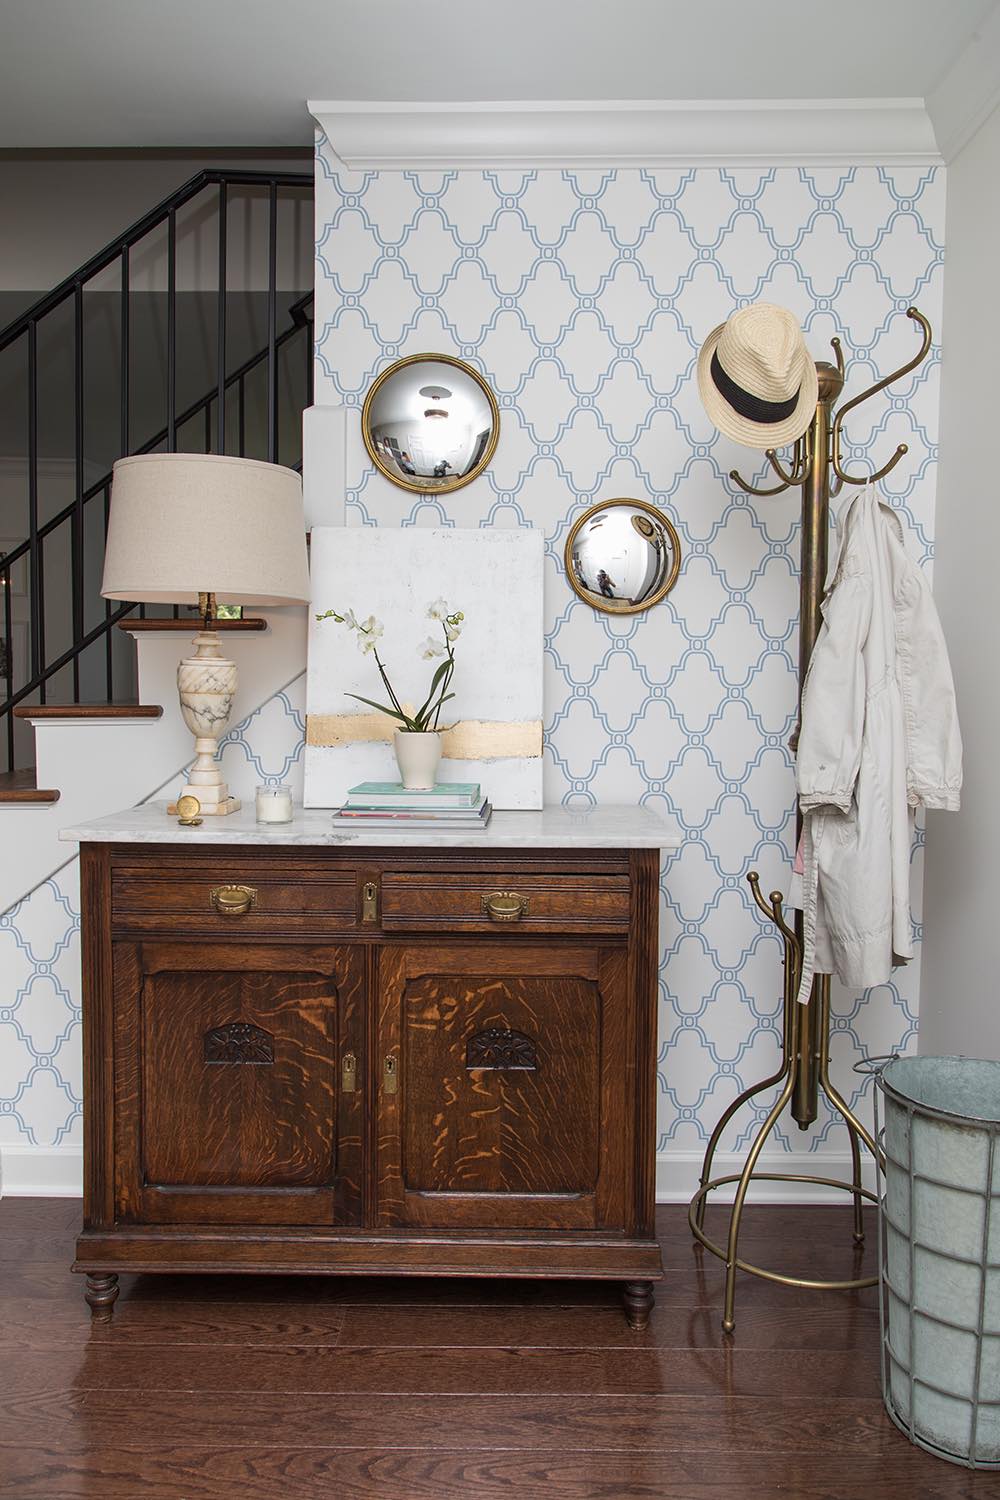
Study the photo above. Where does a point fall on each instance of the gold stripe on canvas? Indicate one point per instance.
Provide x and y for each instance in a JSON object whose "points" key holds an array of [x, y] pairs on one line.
{"points": [[469, 739], [488, 739]]}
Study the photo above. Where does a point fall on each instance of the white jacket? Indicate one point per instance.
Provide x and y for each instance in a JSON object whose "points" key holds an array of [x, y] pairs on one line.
{"points": [[879, 738]]}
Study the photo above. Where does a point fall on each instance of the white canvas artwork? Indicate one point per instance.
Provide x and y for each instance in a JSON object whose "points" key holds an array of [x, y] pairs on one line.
{"points": [[495, 578]]}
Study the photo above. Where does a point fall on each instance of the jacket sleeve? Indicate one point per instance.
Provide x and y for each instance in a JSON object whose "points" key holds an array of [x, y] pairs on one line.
{"points": [[934, 741], [833, 700]]}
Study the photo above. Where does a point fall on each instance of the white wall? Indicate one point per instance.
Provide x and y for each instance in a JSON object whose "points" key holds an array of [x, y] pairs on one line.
{"points": [[959, 1012]]}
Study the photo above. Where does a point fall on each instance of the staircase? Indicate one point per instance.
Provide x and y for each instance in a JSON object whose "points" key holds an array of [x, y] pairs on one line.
{"points": [[192, 332]]}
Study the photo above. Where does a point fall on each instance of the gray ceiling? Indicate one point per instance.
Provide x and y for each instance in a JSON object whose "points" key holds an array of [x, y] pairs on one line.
{"points": [[114, 73]]}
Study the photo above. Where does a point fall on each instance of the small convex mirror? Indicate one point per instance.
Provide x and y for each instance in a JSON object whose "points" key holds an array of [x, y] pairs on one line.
{"points": [[430, 423], [622, 556]]}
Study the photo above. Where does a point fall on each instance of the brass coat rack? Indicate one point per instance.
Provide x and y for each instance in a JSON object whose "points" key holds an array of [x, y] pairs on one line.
{"points": [[805, 1050]]}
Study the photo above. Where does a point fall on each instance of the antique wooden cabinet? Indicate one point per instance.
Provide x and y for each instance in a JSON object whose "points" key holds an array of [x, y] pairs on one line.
{"points": [[308, 1053]]}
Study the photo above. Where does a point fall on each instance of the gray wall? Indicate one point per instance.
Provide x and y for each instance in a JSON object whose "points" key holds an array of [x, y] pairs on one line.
{"points": [[959, 1009], [56, 211]]}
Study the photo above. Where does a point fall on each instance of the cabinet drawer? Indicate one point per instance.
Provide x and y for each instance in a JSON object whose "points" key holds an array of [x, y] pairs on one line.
{"points": [[501, 901], [236, 897]]}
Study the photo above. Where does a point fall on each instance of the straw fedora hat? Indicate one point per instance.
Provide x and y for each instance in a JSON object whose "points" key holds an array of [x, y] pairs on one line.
{"points": [[757, 379]]}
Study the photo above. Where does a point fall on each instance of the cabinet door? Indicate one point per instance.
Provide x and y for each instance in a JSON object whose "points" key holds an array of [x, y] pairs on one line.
{"points": [[230, 1105], [502, 1085]]}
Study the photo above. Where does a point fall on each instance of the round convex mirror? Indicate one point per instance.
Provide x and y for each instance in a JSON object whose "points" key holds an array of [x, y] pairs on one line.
{"points": [[430, 423], [622, 556]]}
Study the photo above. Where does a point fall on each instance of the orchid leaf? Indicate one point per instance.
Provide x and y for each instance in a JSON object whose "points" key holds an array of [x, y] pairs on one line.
{"points": [[389, 712], [441, 672]]}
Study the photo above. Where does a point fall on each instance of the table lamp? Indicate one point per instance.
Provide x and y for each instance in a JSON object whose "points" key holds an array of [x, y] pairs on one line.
{"points": [[205, 529]]}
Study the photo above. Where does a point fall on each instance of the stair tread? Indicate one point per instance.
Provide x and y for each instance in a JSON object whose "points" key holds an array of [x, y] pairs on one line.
{"points": [[191, 626], [19, 786], [88, 711]]}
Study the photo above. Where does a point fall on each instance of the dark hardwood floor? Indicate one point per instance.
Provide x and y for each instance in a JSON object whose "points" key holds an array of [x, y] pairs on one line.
{"points": [[255, 1388]]}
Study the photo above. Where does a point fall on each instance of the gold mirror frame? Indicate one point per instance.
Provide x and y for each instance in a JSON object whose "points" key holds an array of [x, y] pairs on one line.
{"points": [[449, 485], [614, 607]]}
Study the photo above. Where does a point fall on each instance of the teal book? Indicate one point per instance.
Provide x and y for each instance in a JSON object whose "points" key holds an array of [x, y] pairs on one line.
{"points": [[392, 794]]}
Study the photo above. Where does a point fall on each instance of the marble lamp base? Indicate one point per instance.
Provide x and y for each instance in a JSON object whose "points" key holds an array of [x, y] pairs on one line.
{"points": [[206, 684]]}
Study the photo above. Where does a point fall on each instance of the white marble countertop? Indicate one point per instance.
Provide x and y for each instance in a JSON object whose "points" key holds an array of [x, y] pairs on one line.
{"points": [[549, 828]]}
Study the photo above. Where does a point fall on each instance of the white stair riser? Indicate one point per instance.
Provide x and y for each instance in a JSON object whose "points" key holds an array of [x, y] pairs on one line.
{"points": [[102, 765]]}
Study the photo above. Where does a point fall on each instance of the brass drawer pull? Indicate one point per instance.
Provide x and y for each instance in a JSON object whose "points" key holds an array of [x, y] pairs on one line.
{"points": [[233, 900], [505, 906]]}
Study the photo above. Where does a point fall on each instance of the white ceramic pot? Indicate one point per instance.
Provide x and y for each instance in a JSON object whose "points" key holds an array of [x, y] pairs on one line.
{"points": [[417, 756]]}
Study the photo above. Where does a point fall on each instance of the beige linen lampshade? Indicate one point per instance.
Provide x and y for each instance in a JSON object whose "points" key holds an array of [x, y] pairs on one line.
{"points": [[228, 529], [188, 523]]}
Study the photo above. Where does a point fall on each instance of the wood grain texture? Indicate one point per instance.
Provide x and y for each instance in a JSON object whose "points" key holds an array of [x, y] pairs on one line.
{"points": [[88, 711], [288, 899], [204, 1141], [206, 1388], [191, 625], [226, 1139], [470, 1147], [266, 1472], [451, 903], [22, 786], [293, 1371]]}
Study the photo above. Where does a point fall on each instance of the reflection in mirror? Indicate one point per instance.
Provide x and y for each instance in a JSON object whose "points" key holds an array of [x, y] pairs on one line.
{"points": [[622, 556], [430, 423]]}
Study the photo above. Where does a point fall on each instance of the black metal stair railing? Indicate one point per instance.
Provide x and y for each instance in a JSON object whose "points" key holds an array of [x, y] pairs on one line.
{"points": [[217, 431]]}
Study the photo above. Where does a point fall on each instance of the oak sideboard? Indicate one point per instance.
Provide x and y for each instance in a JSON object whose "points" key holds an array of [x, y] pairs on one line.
{"points": [[306, 1052]]}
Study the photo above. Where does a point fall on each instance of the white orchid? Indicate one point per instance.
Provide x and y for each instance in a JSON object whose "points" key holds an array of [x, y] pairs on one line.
{"points": [[427, 717]]}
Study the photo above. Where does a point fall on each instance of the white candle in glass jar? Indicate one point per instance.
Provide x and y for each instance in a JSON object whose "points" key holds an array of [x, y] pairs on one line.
{"points": [[274, 804]]}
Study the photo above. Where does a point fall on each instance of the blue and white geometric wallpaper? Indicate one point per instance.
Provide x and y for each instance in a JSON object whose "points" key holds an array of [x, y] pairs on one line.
{"points": [[40, 1056], [584, 297]]}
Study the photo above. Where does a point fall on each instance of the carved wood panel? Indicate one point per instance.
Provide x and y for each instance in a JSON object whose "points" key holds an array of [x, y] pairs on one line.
{"points": [[230, 1108], [239, 1042], [501, 1047], [503, 1111]]}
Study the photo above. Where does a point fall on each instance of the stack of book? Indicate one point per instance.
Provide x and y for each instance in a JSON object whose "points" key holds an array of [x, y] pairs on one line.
{"points": [[452, 806]]}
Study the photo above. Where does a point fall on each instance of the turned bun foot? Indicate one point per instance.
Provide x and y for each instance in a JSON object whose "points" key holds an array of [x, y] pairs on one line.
{"points": [[101, 1294], [638, 1300]]}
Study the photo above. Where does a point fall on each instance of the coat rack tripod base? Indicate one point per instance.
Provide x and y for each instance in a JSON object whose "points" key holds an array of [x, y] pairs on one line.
{"points": [[804, 1071]]}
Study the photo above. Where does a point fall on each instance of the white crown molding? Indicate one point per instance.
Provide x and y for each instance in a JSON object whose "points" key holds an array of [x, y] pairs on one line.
{"points": [[970, 91], [388, 136]]}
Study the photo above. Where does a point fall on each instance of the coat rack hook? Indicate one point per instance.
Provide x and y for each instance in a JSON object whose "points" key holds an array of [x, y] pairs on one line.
{"points": [[838, 354], [748, 489], [799, 466], [880, 385]]}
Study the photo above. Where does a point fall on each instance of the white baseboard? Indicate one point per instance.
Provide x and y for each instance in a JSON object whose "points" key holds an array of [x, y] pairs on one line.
{"points": [[41, 1171], [678, 1174], [57, 1172]]}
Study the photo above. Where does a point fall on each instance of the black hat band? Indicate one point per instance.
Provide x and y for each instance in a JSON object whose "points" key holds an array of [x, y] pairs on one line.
{"points": [[747, 405]]}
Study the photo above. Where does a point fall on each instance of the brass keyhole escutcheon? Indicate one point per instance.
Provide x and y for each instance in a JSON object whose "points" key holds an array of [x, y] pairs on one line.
{"points": [[390, 1075], [349, 1073], [233, 900], [369, 901]]}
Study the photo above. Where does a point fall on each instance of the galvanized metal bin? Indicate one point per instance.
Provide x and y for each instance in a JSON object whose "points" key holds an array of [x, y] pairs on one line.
{"points": [[940, 1255]]}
